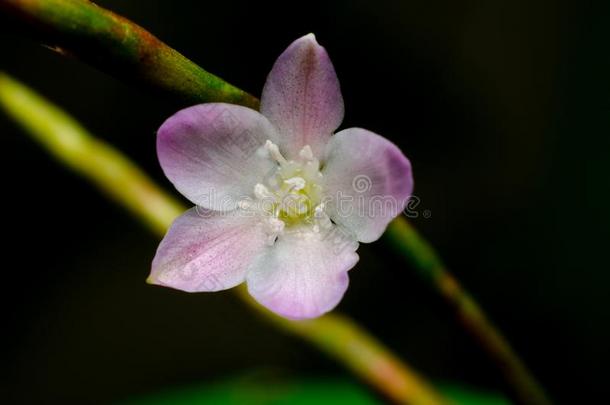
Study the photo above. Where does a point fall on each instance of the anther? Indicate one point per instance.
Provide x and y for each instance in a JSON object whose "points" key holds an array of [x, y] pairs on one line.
{"points": [[261, 192], [295, 183], [245, 204], [306, 153], [274, 151], [321, 218]]}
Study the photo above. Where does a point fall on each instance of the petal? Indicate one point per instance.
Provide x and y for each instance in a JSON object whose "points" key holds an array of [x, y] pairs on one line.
{"points": [[368, 182], [304, 275], [209, 152], [207, 250], [302, 97]]}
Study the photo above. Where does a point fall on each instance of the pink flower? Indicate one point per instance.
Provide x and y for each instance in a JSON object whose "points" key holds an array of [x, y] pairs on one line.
{"points": [[281, 202]]}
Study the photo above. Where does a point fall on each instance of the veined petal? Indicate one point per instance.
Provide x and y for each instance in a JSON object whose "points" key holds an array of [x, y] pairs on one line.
{"points": [[209, 153], [207, 250], [368, 181], [302, 97], [304, 275]]}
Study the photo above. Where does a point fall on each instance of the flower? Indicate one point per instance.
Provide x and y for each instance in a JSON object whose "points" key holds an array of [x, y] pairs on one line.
{"points": [[281, 202]]}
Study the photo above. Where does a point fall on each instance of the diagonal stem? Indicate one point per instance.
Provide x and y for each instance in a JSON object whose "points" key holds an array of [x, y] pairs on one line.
{"points": [[80, 29], [109, 42], [411, 245], [126, 184]]}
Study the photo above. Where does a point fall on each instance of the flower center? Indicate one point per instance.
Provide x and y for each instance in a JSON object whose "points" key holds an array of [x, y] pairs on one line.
{"points": [[290, 197]]}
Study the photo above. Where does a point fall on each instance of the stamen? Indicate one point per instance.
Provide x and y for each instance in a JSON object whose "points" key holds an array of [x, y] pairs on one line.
{"points": [[289, 194], [262, 193], [246, 204], [311, 165], [321, 218], [295, 183], [306, 153], [274, 227], [274, 151]]}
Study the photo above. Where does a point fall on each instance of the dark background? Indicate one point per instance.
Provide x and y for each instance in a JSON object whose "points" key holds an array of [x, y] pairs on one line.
{"points": [[503, 108]]}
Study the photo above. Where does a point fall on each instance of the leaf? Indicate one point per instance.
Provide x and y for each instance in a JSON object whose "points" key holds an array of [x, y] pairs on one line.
{"points": [[463, 395], [266, 389]]}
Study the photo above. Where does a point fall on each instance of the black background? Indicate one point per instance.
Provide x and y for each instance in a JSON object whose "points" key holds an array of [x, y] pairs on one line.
{"points": [[503, 108]]}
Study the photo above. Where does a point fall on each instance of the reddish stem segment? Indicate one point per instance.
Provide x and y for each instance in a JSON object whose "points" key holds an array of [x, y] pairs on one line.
{"points": [[116, 45]]}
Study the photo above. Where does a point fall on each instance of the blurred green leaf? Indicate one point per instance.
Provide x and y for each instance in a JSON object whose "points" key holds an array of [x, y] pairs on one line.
{"points": [[464, 395], [274, 390], [268, 391]]}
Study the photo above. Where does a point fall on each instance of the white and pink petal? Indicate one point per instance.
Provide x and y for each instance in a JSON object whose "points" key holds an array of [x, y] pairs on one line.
{"points": [[208, 250], [302, 97], [368, 182], [304, 275], [209, 152]]}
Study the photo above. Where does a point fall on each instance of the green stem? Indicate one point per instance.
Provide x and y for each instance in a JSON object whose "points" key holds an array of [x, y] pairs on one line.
{"points": [[114, 44], [343, 339], [72, 145], [124, 182], [111, 43], [409, 243]]}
